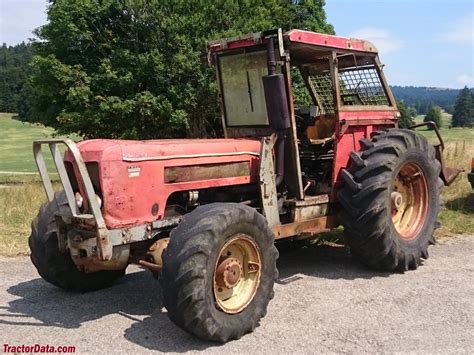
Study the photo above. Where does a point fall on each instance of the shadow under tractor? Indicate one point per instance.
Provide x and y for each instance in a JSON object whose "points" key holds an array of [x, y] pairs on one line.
{"points": [[204, 214]]}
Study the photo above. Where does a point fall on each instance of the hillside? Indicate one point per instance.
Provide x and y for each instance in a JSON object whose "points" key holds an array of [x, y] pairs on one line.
{"points": [[421, 98]]}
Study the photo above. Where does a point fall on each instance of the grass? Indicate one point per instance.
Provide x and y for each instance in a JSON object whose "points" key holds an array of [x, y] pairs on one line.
{"points": [[458, 215], [19, 205], [16, 144], [448, 134], [16, 153], [21, 195]]}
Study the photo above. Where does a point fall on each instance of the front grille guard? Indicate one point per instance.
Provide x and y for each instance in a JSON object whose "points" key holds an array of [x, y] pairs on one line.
{"points": [[104, 247]]}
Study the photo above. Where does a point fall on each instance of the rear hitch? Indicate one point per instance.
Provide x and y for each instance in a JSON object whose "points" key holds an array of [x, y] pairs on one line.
{"points": [[448, 174], [154, 268], [153, 258]]}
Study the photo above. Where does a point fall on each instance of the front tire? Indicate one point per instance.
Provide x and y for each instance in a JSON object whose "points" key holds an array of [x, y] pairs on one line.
{"points": [[391, 200], [219, 270], [54, 266]]}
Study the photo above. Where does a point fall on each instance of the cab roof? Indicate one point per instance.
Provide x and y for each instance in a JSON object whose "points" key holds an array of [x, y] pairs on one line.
{"points": [[298, 40]]}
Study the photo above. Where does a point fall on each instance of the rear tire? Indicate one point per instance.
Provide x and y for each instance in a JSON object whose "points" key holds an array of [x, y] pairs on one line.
{"points": [[55, 267], [190, 267], [383, 232]]}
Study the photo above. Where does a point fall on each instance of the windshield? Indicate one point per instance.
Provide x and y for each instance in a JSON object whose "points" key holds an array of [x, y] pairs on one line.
{"points": [[242, 88]]}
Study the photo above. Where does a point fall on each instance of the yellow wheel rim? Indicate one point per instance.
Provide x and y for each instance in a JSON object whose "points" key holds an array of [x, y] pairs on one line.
{"points": [[237, 274], [409, 201]]}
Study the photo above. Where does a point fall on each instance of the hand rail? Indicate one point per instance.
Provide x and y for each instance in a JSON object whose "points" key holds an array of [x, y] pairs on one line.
{"points": [[434, 126]]}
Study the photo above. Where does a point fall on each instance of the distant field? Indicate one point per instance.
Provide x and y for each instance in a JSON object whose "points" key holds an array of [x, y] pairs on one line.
{"points": [[449, 135], [16, 152], [21, 195]]}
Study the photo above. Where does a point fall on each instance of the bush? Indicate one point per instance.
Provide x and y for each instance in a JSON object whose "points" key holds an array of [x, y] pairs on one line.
{"points": [[435, 114]]}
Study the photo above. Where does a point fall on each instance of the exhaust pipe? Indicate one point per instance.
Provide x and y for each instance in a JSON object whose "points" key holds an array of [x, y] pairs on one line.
{"points": [[276, 100]]}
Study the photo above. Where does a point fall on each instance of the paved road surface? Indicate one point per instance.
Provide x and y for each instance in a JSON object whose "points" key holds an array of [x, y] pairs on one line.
{"points": [[331, 304]]}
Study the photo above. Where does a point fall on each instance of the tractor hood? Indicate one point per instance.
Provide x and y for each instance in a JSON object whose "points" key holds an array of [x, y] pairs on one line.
{"points": [[165, 149], [136, 178]]}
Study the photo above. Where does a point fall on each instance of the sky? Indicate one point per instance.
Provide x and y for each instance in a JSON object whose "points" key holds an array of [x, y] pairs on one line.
{"points": [[421, 42]]}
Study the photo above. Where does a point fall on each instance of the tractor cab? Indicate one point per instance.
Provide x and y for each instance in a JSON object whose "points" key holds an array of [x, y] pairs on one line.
{"points": [[334, 92]]}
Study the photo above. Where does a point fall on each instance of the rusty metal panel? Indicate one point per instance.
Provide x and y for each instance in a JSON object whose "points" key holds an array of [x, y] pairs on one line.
{"points": [[309, 212], [448, 174], [309, 208], [188, 173], [314, 226], [310, 201]]}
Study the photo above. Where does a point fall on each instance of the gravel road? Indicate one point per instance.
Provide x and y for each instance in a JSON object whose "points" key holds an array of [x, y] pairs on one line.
{"points": [[324, 302]]}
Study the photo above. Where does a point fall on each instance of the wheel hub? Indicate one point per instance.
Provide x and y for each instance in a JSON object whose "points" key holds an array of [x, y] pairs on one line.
{"points": [[228, 273], [409, 200], [237, 274], [397, 199]]}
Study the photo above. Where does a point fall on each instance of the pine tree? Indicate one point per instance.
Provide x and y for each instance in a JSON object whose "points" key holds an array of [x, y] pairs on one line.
{"points": [[406, 119], [463, 109]]}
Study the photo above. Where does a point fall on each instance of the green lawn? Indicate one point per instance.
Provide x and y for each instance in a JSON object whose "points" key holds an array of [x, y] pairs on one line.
{"points": [[448, 134], [16, 152]]}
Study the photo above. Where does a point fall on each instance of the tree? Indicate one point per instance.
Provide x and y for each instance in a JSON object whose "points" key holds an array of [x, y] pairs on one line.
{"points": [[412, 111], [463, 109], [406, 119], [13, 76], [137, 68], [435, 114]]}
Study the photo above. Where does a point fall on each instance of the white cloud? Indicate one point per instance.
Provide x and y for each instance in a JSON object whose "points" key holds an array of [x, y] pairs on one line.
{"points": [[465, 80], [461, 32], [383, 39]]}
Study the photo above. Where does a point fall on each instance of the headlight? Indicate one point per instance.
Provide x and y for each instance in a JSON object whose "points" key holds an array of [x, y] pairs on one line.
{"points": [[99, 201], [79, 200]]}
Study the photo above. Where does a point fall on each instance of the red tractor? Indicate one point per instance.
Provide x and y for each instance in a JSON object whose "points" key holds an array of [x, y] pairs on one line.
{"points": [[204, 214]]}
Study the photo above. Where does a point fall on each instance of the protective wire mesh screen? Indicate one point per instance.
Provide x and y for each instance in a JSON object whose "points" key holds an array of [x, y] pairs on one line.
{"points": [[362, 86], [323, 85]]}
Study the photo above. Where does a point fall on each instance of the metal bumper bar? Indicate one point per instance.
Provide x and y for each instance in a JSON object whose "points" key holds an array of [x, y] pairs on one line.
{"points": [[448, 174], [104, 247]]}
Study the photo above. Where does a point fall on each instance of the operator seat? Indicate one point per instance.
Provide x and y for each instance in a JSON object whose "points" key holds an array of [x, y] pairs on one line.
{"points": [[324, 127]]}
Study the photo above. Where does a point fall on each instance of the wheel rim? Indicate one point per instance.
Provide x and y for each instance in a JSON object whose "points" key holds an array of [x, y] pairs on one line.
{"points": [[237, 273], [409, 200]]}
